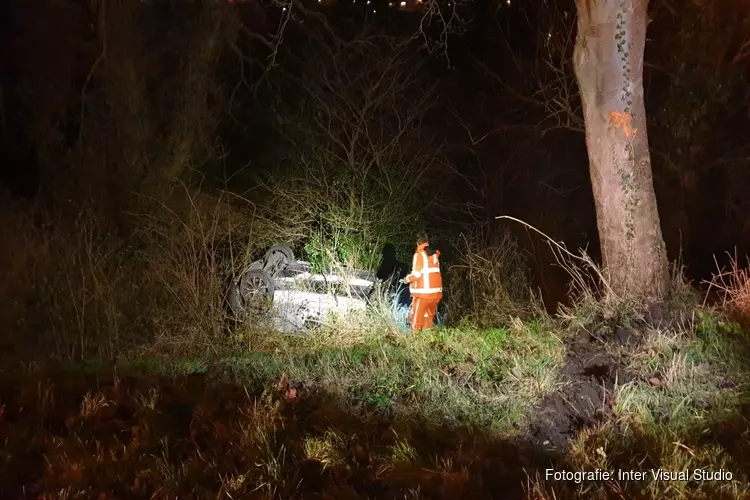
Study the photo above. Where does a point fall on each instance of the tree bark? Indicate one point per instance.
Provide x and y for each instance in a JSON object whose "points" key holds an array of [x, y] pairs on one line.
{"points": [[608, 61]]}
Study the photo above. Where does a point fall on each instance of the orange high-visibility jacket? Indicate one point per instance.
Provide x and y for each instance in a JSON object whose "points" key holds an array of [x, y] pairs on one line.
{"points": [[425, 280]]}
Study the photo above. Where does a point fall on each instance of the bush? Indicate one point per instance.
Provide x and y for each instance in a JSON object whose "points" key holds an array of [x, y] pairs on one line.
{"points": [[97, 276], [491, 281], [355, 176], [65, 284]]}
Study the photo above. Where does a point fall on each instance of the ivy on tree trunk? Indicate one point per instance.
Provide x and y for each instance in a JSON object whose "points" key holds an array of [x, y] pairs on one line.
{"points": [[608, 61]]}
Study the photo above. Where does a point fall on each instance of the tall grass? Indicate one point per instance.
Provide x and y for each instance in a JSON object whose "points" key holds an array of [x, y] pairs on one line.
{"points": [[64, 284], [490, 282]]}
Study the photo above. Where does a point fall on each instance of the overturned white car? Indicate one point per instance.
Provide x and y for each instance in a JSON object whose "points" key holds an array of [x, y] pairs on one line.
{"points": [[293, 297]]}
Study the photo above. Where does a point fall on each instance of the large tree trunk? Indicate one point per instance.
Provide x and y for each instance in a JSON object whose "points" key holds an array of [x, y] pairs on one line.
{"points": [[608, 63]]}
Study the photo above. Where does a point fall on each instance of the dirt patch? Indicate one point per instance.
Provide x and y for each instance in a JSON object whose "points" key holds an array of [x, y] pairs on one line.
{"points": [[593, 367]]}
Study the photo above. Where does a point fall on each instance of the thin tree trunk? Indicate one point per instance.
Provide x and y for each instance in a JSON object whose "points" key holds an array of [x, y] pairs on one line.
{"points": [[608, 62]]}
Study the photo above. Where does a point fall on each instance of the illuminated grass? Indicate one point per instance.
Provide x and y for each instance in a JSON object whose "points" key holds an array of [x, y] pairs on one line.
{"points": [[487, 378], [436, 415], [686, 376]]}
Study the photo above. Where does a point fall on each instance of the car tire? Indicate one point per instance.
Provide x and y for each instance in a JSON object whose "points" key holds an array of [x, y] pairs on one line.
{"points": [[284, 249], [256, 288]]}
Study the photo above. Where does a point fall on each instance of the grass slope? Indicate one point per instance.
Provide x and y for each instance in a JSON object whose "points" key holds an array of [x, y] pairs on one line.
{"points": [[450, 413]]}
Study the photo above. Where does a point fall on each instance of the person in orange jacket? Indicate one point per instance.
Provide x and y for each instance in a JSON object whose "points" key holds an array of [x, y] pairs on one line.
{"points": [[425, 285]]}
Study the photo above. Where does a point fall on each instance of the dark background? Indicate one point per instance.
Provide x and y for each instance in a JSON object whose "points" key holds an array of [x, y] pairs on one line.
{"points": [[531, 163]]}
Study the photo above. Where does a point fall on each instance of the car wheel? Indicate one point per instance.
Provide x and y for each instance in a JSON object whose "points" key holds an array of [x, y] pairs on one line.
{"points": [[277, 259], [256, 291], [284, 249]]}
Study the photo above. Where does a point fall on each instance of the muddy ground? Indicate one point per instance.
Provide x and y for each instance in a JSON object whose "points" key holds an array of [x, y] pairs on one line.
{"points": [[594, 367]]}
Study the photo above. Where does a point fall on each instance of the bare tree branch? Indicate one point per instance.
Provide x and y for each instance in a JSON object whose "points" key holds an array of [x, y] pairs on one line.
{"points": [[447, 24], [547, 81], [358, 163]]}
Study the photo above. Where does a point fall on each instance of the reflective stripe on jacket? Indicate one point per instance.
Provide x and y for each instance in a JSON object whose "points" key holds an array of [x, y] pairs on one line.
{"points": [[425, 279]]}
